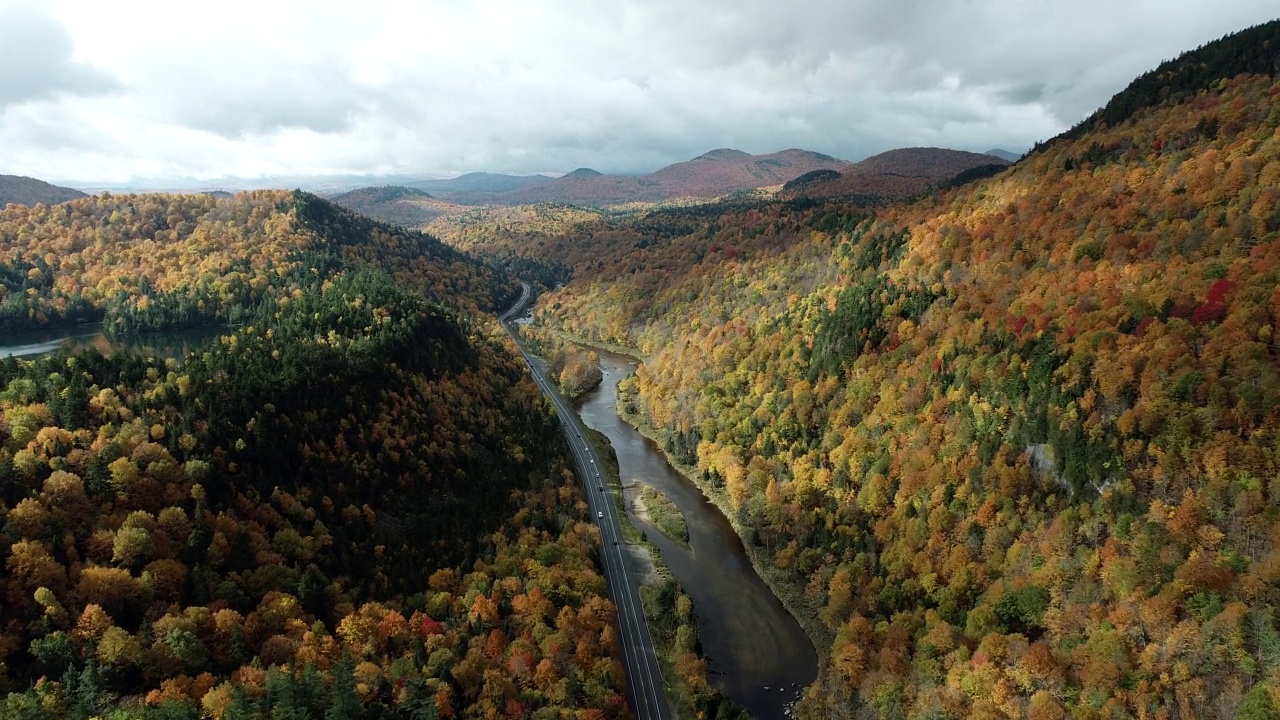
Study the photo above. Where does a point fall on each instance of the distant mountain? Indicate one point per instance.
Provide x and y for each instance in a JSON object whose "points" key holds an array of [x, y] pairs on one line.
{"points": [[892, 175], [405, 206], [477, 182], [1004, 154], [719, 172], [30, 191], [385, 193], [582, 173]]}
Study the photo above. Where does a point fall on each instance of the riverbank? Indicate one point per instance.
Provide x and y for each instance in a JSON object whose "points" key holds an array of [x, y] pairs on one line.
{"points": [[793, 596], [757, 653], [668, 609]]}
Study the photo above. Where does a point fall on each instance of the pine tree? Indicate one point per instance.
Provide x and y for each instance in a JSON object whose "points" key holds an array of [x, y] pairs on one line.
{"points": [[344, 704]]}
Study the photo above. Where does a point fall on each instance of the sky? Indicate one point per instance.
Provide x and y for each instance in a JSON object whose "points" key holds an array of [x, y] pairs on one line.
{"points": [[136, 91]]}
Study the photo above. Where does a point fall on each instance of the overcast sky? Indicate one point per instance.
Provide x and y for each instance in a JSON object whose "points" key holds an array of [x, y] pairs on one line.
{"points": [[109, 92]]}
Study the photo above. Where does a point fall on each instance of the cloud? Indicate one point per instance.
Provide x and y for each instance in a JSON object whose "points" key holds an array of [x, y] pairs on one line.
{"points": [[36, 60], [310, 98], [267, 87]]}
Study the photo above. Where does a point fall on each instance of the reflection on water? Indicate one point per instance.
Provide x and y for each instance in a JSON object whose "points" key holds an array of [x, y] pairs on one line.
{"points": [[759, 656], [168, 344]]}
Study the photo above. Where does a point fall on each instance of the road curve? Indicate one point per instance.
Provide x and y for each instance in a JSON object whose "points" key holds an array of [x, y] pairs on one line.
{"points": [[645, 685]]}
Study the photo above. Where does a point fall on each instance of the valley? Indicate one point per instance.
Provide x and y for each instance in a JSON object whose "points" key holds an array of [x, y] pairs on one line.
{"points": [[933, 434]]}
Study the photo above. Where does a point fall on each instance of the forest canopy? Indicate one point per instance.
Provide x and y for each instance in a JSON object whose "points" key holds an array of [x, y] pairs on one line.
{"points": [[159, 261], [352, 504]]}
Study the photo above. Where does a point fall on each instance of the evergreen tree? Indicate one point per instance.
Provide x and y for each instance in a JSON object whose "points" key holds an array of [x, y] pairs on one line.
{"points": [[344, 703]]}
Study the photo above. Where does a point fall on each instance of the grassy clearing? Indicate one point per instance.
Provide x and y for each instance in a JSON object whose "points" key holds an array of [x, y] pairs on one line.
{"points": [[664, 514]]}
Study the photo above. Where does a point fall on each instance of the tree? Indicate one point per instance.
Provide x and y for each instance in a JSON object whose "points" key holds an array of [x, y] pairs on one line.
{"points": [[1258, 704], [344, 703]]}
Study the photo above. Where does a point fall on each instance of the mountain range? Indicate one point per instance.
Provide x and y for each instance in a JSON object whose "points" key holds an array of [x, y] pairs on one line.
{"points": [[481, 183], [799, 173], [718, 172]]}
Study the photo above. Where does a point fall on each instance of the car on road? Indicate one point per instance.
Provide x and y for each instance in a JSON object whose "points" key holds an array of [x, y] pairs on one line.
{"points": [[600, 487], [600, 515]]}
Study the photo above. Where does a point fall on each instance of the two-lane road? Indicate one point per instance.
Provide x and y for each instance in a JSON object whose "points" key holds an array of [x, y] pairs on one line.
{"points": [[645, 686]]}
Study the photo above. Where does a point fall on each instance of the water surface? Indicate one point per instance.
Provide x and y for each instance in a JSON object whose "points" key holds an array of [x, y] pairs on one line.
{"points": [[163, 344]]}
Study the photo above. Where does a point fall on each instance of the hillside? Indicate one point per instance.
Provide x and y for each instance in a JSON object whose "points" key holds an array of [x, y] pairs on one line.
{"points": [[333, 511], [171, 261], [893, 175], [29, 191], [404, 206], [1011, 450]]}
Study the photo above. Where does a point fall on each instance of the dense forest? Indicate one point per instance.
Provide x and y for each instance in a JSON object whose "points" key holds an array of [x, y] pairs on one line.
{"points": [[353, 504], [1011, 450], [148, 262]]}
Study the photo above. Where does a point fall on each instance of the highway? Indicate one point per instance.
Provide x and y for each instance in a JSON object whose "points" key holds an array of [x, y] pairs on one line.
{"points": [[645, 685]]}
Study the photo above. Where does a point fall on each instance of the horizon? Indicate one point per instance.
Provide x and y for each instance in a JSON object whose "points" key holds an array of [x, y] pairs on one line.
{"points": [[349, 181]]}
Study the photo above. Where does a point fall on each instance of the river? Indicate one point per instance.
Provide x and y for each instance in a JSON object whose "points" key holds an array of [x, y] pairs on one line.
{"points": [[750, 639], [164, 344]]}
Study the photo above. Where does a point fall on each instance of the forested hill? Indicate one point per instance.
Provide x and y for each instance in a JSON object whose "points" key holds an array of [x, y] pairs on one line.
{"points": [[171, 261], [352, 505], [404, 206], [1010, 451]]}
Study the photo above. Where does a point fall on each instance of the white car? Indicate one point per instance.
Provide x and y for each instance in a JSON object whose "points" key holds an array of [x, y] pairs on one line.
{"points": [[600, 515]]}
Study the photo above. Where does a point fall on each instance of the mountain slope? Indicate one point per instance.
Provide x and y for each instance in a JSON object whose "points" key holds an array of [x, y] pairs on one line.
{"points": [[1008, 451], [29, 191]]}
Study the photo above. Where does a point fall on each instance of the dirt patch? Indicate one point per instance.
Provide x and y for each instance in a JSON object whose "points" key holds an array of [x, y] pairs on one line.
{"points": [[636, 504], [642, 562]]}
